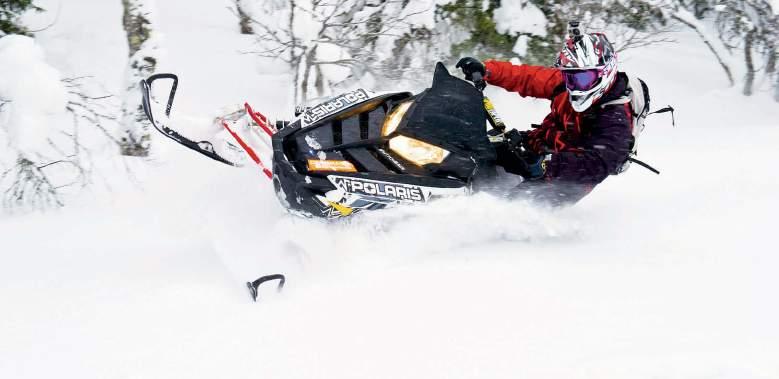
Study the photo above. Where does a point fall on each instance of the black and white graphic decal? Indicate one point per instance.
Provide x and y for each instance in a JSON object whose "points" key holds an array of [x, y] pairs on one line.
{"points": [[400, 192], [333, 106], [393, 191]]}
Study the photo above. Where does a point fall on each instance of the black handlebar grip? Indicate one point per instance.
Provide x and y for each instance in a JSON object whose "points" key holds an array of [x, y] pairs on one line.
{"points": [[478, 81]]}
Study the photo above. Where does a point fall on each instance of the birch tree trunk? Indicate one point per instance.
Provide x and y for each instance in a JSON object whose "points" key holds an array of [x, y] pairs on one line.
{"points": [[771, 71], [749, 80], [776, 87], [244, 20], [134, 138]]}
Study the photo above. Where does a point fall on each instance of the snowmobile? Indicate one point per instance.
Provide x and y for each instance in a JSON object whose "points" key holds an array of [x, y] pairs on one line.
{"points": [[362, 150]]}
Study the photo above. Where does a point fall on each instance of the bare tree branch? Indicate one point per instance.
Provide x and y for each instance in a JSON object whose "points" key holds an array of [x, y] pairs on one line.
{"points": [[347, 26], [708, 44]]}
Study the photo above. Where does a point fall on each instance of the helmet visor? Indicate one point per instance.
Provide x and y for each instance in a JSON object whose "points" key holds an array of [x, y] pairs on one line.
{"points": [[580, 80]]}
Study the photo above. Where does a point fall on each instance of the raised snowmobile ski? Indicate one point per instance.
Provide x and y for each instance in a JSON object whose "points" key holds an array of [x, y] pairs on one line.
{"points": [[203, 147]]}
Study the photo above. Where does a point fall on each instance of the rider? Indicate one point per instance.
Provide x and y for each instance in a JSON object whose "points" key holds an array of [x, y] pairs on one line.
{"points": [[585, 137]]}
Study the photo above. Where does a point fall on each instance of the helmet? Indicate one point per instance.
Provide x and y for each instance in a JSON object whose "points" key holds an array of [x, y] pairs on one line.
{"points": [[589, 66]]}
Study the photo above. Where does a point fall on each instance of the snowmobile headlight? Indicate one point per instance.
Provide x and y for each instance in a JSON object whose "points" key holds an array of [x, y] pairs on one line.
{"points": [[393, 119], [416, 151]]}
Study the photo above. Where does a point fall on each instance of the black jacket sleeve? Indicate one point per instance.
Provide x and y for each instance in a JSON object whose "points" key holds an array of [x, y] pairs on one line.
{"points": [[601, 153]]}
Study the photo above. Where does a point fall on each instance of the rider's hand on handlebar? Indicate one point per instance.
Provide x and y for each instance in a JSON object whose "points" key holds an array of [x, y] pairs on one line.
{"points": [[530, 164], [471, 66], [514, 139], [535, 166]]}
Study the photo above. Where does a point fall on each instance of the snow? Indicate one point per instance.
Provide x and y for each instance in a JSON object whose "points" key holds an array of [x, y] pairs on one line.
{"points": [[517, 17], [103, 57], [520, 47], [33, 89], [669, 276]]}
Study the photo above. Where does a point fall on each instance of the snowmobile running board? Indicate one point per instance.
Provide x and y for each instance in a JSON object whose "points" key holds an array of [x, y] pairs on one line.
{"points": [[255, 285]]}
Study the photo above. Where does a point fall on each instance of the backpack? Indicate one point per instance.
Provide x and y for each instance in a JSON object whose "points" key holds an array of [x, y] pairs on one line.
{"points": [[637, 95]]}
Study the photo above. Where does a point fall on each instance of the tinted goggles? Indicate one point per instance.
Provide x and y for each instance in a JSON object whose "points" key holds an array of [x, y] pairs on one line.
{"points": [[580, 80]]}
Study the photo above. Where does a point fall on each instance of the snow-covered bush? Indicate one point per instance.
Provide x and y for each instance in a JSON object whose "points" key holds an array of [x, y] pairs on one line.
{"points": [[45, 121]]}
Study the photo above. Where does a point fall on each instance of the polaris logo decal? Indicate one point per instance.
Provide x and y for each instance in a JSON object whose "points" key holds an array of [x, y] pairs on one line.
{"points": [[400, 192], [332, 106]]}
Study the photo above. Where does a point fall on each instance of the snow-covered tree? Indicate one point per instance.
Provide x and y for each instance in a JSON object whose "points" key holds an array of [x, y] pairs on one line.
{"points": [[741, 34], [135, 139], [736, 30], [481, 35], [533, 30], [11, 11], [331, 43], [752, 26], [48, 128], [244, 19]]}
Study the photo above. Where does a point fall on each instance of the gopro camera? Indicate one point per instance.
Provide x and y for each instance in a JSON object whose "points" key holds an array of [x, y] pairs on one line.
{"points": [[574, 31]]}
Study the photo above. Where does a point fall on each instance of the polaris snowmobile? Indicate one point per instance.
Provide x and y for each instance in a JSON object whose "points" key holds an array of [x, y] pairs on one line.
{"points": [[363, 150]]}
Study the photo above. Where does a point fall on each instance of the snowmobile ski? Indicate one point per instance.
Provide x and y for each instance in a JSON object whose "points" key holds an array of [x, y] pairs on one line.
{"points": [[255, 285], [203, 147]]}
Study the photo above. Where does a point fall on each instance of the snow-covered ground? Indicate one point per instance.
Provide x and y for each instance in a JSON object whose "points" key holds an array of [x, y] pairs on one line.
{"points": [[670, 276]]}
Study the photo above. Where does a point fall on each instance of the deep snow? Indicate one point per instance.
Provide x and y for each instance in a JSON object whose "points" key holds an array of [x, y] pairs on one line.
{"points": [[669, 276]]}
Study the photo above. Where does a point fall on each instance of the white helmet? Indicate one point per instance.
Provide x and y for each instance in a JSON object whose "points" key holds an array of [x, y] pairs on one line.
{"points": [[589, 66]]}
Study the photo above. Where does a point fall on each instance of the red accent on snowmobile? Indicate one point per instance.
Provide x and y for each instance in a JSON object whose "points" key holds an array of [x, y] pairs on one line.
{"points": [[260, 120], [249, 151]]}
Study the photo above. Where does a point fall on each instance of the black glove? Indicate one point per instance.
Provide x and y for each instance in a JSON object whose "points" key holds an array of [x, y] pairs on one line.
{"points": [[535, 166], [527, 163], [470, 66], [515, 139]]}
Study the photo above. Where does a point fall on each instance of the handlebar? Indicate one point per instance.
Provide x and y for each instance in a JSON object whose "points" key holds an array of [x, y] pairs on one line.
{"points": [[478, 81]]}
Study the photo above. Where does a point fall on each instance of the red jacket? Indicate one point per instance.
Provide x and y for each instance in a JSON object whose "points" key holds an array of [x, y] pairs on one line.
{"points": [[586, 147]]}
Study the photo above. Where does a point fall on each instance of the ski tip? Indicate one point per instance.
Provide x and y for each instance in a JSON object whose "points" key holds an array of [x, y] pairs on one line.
{"points": [[255, 285], [252, 291]]}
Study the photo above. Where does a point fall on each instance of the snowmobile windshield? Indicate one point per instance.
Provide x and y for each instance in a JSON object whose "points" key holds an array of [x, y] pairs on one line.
{"points": [[450, 114]]}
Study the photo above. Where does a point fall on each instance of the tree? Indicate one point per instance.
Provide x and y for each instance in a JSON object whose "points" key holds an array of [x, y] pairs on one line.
{"points": [[10, 11], [244, 20], [476, 19], [750, 25], [332, 43], [534, 30], [51, 126], [684, 17], [135, 139], [37, 179]]}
